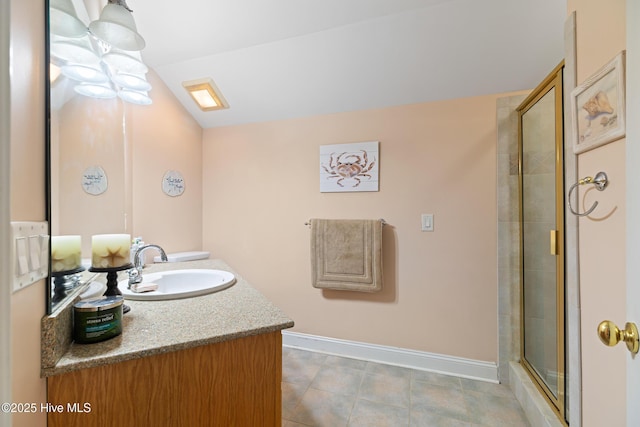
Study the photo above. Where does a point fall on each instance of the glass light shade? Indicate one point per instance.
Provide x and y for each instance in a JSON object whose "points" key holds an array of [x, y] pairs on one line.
{"points": [[64, 21], [135, 97], [125, 62], [95, 90], [77, 51], [131, 81], [117, 27], [84, 73], [54, 73]]}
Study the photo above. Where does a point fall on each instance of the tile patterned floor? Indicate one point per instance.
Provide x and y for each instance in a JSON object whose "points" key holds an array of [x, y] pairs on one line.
{"points": [[329, 391]]}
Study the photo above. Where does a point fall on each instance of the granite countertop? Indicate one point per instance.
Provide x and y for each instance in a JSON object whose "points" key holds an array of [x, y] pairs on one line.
{"points": [[155, 327]]}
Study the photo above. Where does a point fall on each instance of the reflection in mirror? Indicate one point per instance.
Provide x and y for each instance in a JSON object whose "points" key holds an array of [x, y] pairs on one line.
{"points": [[95, 67], [65, 265]]}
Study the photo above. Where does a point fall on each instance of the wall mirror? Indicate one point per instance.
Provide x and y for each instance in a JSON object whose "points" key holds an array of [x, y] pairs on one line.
{"points": [[88, 142]]}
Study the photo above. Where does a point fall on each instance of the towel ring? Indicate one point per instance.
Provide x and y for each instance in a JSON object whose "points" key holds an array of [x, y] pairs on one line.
{"points": [[600, 181]]}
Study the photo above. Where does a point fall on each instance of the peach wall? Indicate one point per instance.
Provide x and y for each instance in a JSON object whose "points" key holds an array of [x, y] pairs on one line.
{"points": [[600, 36], [166, 137], [27, 196], [261, 184], [134, 145], [88, 132]]}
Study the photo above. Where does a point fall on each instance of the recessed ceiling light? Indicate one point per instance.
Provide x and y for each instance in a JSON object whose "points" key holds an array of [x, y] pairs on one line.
{"points": [[205, 93]]}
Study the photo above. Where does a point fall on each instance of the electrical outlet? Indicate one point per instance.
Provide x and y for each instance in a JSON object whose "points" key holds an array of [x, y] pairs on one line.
{"points": [[30, 253]]}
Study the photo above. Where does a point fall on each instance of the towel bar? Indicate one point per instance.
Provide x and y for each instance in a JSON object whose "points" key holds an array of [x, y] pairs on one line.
{"points": [[308, 223]]}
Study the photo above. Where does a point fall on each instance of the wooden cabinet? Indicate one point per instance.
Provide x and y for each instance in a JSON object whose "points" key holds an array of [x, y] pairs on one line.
{"points": [[232, 383]]}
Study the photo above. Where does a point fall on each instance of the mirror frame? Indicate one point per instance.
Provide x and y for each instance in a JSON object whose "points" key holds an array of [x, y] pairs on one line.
{"points": [[47, 147]]}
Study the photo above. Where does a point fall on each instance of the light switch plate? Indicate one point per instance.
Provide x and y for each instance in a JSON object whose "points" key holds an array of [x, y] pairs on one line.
{"points": [[30, 253], [427, 222]]}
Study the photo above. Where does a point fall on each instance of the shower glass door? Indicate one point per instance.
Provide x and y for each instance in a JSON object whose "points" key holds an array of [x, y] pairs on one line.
{"points": [[542, 238]]}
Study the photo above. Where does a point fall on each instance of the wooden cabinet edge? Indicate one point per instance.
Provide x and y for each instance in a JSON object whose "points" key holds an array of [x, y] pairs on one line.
{"points": [[232, 383]]}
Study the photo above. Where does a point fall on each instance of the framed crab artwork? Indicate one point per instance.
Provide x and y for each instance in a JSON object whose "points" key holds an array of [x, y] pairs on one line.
{"points": [[349, 167]]}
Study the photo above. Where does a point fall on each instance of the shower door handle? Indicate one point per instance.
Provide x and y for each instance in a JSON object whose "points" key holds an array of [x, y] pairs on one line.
{"points": [[553, 242], [611, 335]]}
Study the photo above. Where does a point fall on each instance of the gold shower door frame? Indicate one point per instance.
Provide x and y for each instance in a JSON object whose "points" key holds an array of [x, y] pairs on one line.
{"points": [[556, 396]]}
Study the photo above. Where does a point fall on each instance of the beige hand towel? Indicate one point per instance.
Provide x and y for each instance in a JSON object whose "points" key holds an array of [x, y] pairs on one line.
{"points": [[346, 254]]}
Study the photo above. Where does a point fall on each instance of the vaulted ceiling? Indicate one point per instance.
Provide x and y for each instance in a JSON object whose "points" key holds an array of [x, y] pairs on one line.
{"points": [[280, 59]]}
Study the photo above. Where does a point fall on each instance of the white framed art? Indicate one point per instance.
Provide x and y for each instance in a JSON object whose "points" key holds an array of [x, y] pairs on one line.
{"points": [[598, 107], [349, 167]]}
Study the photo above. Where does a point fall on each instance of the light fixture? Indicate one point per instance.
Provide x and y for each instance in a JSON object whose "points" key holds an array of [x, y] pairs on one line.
{"points": [[96, 90], [117, 27], [135, 97], [103, 59], [205, 93], [125, 62], [84, 73], [54, 73], [131, 81], [64, 21], [77, 50]]}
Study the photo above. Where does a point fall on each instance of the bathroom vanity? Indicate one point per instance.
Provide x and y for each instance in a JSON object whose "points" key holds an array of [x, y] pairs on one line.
{"points": [[212, 360]]}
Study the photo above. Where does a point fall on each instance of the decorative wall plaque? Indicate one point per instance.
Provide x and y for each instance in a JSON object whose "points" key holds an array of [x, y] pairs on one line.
{"points": [[173, 183], [94, 180]]}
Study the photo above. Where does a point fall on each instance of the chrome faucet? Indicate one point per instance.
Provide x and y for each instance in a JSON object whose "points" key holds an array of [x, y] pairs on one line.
{"points": [[135, 274]]}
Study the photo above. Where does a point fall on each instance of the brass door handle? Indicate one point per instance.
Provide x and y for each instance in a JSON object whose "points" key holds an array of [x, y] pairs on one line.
{"points": [[611, 335]]}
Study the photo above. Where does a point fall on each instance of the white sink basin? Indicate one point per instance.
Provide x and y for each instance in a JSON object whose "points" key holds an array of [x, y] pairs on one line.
{"points": [[175, 284]]}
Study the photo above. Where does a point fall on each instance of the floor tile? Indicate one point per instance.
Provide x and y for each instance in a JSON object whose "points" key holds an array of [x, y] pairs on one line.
{"points": [[443, 401], [494, 411], [291, 395], [372, 414], [345, 362], [301, 368], [486, 387], [323, 409], [427, 418], [382, 369], [338, 379], [386, 389], [435, 378], [320, 390]]}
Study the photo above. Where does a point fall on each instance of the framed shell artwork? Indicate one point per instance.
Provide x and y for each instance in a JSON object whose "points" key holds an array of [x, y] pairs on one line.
{"points": [[597, 107]]}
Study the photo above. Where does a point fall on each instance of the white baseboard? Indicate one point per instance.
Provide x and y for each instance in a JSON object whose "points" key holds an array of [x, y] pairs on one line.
{"points": [[449, 365]]}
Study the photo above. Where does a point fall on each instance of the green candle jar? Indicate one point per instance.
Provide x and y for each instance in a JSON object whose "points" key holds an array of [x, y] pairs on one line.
{"points": [[97, 319]]}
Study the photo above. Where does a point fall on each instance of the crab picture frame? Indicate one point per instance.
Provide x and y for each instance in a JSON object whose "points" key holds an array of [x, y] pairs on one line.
{"points": [[598, 107], [349, 167]]}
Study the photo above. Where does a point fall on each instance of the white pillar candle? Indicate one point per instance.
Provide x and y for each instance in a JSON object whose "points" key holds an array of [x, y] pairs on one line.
{"points": [[65, 253], [110, 250]]}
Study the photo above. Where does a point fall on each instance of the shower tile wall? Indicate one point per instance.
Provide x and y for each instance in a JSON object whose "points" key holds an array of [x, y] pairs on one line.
{"points": [[508, 235]]}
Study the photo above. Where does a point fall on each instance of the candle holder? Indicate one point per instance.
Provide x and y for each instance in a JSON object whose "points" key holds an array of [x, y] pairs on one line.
{"points": [[60, 283], [112, 281]]}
